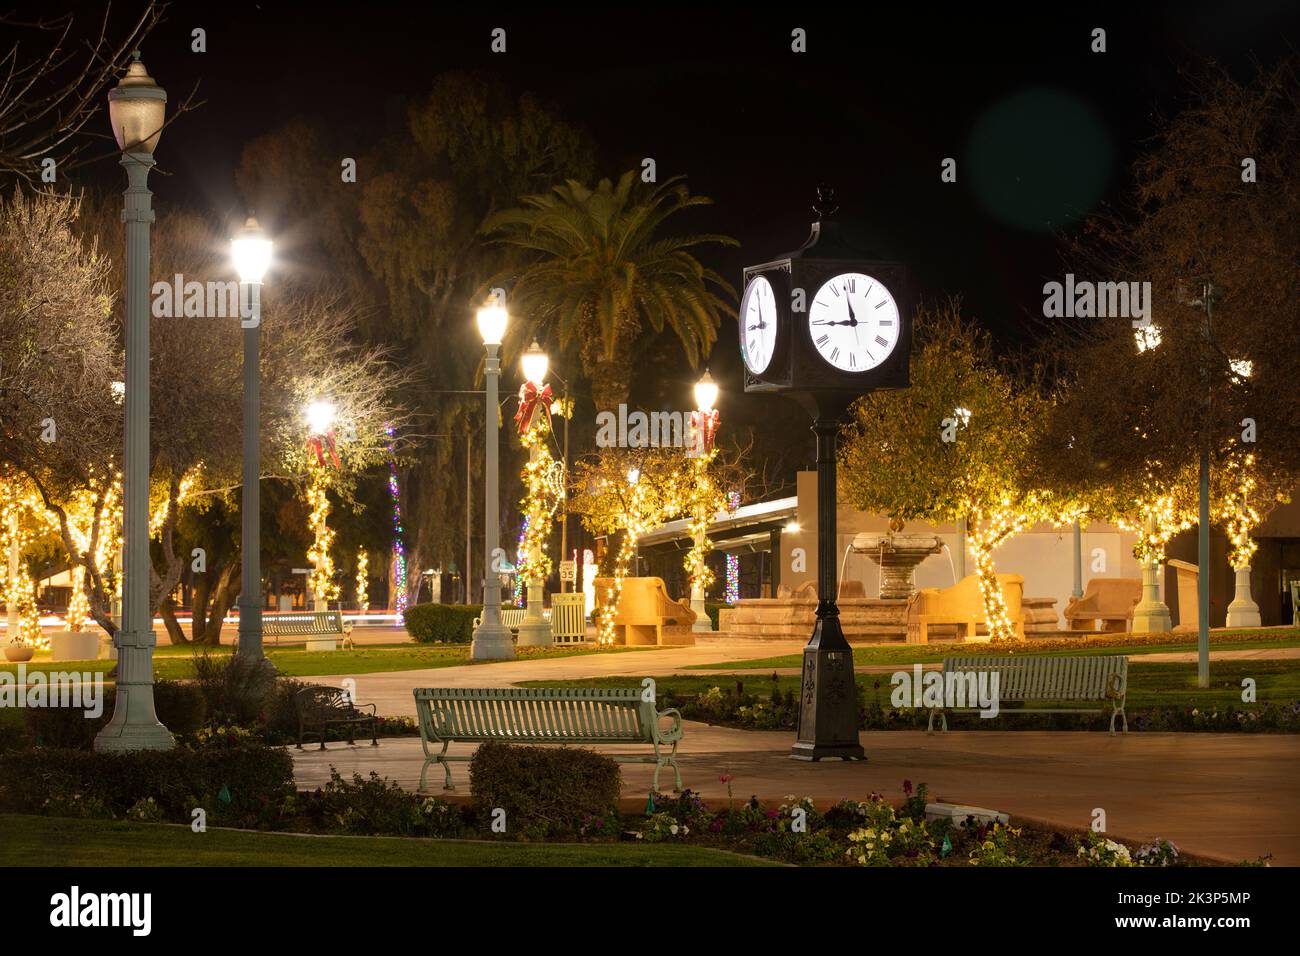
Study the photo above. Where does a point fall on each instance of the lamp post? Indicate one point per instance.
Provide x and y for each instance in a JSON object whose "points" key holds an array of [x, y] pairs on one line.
{"points": [[251, 251], [492, 639], [706, 400], [535, 630], [136, 108], [1150, 615], [1209, 293], [1077, 590]]}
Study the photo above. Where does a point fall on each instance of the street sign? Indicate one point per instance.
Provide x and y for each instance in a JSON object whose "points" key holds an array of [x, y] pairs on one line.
{"points": [[568, 570]]}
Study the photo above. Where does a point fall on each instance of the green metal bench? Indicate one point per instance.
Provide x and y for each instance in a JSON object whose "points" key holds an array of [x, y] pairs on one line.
{"points": [[308, 624], [320, 707], [511, 617], [1047, 679], [544, 715]]}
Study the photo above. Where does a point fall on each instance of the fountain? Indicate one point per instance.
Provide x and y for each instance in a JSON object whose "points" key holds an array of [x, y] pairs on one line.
{"points": [[897, 555]]}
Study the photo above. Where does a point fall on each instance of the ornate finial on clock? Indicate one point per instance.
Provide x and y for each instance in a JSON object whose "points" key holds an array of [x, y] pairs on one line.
{"points": [[825, 207]]}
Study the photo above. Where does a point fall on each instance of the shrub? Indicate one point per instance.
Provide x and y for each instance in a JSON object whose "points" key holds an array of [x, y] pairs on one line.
{"points": [[237, 787], [180, 707], [711, 608], [377, 805], [544, 791], [442, 623], [236, 690]]}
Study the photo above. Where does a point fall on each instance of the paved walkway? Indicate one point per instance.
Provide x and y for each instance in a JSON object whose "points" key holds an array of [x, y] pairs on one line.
{"points": [[1230, 796], [391, 690]]}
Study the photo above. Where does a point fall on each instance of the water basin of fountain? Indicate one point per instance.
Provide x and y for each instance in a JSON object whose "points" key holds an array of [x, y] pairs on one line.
{"points": [[898, 555]]}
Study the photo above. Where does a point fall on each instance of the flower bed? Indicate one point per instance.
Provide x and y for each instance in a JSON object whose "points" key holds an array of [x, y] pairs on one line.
{"points": [[776, 709], [166, 787]]}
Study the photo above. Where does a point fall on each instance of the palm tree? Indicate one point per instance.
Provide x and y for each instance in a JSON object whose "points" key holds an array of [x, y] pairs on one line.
{"points": [[604, 271]]}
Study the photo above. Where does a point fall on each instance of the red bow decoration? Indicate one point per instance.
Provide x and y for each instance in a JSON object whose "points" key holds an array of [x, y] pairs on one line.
{"points": [[530, 396], [705, 424], [316, 444]]}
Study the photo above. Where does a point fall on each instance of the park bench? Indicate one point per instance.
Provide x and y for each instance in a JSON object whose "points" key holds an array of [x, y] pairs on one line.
{"points": [[551, 715], [646, 615], [1049, 680], [320, 708], [511, 617], [319, 627], [1108, 600], [961, 604]]}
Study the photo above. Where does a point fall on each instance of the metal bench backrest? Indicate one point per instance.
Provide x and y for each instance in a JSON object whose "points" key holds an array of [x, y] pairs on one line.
{"points": [[588, 714], [317, 701], [304, 622], [1050, 678]]}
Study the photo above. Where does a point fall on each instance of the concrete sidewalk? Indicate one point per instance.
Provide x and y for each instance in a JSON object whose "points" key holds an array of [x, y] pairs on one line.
{"points": [[1229, 796]]}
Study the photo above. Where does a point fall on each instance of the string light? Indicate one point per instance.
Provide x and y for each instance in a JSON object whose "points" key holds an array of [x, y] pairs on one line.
{"points": [[732, 595], [399, 549]]}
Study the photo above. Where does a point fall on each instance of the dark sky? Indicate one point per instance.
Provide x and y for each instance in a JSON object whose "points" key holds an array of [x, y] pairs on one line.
{"points": [[1042, 128]]}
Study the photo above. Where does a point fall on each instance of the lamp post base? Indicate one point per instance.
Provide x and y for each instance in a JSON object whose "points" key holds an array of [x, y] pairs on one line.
{"points": [[492, 642], [1151, 615], [702, 622], [134, 724], [1243, 611], [535, 630]]}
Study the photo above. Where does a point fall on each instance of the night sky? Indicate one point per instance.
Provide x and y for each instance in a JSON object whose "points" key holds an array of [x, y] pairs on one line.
{"points": [[1043, 129]]}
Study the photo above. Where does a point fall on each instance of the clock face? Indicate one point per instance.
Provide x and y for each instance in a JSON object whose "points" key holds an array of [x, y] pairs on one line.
{"points": [[758, 324], [854, 322]]}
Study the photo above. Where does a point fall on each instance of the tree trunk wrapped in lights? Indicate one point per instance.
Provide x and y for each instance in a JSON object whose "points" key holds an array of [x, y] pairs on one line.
{"points": [[321, 580], [363, 582], [706, 500], [543, 479]]}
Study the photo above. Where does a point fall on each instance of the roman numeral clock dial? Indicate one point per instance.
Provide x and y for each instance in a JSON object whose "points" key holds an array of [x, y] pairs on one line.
{"points": [[853, 322], [758, 318]]}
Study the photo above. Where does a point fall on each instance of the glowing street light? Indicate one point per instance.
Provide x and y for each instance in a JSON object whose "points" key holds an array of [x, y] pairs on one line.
{"points": [[492, 639]]}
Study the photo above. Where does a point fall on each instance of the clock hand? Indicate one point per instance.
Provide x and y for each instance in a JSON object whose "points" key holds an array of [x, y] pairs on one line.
{"points": [[853, 319]]}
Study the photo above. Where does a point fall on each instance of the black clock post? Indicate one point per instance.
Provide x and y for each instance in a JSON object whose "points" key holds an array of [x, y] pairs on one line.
{"points": [[833, 322], [828, 693]]}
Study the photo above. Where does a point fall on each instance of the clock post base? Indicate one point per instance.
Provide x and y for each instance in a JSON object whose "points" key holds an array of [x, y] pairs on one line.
{"points": [[828, 713]]}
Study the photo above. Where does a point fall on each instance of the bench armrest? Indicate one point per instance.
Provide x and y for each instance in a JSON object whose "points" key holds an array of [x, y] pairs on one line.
{"points": [[674, 732]]}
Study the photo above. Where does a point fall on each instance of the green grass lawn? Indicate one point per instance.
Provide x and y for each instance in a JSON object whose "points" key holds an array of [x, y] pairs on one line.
{"points": [[1149, 685], [56, 841], [1061, 647], [176, 662]]}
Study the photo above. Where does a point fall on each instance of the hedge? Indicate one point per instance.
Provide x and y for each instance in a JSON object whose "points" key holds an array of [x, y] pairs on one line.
{"points": [[181, 707], [236, 786], [442, 623]]}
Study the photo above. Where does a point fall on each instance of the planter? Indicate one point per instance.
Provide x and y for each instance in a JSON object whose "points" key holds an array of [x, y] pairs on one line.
{"points": [[74, 646], [18, 653]]}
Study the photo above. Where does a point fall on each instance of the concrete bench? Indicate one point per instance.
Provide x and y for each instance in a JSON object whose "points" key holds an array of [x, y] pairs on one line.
{"points": [[961, 604], [1108, 600], [646, 615], [544, 715], [1049, 680]]}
